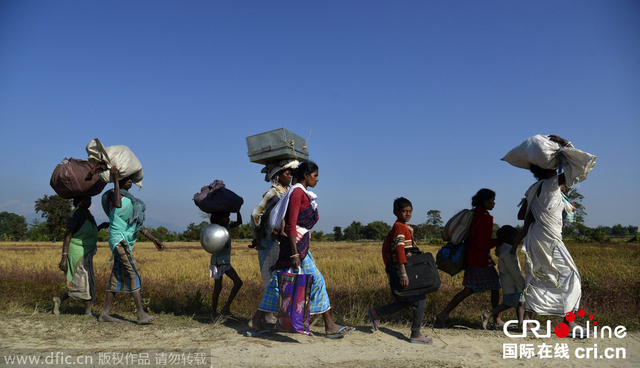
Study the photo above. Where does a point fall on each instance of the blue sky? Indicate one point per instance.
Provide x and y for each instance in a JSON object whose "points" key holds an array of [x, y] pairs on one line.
{"points": [[415, 98]]}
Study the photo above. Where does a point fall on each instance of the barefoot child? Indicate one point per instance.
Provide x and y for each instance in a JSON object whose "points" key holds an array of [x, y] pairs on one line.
{"points": [[221, 265], [510, 278], [78, 249], [393, 250]]}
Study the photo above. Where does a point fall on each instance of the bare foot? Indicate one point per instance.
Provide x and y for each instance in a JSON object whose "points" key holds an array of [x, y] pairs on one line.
{"points": [[338, 331], [107, 318], [56, 306], [485, 319], [440, 320], [270, 318], [145, 319], [256, 324]]}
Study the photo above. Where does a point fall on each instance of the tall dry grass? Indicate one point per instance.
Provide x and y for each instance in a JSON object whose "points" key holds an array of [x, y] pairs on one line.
{"points": [[176, 281]]}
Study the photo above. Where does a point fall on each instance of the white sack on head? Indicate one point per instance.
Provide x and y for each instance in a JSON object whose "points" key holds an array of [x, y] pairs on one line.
{"points": [[576, 164], [119, 156], [540, 150]]}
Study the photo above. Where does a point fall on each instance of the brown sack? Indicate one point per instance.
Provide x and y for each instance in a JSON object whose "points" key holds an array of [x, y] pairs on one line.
{"points": [[73, 178]]}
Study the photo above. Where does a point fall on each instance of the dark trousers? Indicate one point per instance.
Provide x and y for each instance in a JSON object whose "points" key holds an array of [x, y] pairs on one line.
{"points": [[398, 305]]}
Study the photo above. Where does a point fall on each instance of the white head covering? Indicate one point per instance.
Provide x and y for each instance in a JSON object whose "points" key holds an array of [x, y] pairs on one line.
{"points": [[272, 168]]}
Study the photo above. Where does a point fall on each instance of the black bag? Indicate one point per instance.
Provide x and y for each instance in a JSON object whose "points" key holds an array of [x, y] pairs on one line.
{"points": [[421, 271], [451, 258]]}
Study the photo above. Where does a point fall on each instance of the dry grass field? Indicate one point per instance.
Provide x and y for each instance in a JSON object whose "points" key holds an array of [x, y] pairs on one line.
{"points": [[176, 282]]}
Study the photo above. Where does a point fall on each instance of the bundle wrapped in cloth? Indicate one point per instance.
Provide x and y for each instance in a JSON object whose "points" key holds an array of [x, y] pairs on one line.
{"points": [[75, 178], [119, 156], [540, 150], [215, 197]]}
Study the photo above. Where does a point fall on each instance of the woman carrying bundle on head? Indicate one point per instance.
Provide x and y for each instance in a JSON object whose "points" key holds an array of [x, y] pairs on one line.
{"points": [[126, 216], [553, 281]]}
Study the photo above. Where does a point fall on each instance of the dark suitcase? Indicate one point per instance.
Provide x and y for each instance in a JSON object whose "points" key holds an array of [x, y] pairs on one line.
{"points": [[422, 272]]}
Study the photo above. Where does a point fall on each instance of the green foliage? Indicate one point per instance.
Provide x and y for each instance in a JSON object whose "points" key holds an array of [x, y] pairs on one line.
{"points": [[241, 232], [56, 210], [437, 241], [12, 226], [103, 235], [193, 231], [434, 218], [426, 231], [38, 231], [353, 232], [599, 236], [376, 230], [337, 233], [317, 235], [163, 234]]}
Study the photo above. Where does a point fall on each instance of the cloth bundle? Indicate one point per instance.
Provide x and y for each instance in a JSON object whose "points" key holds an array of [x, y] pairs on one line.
{"points": [[540, 150], [73, 178], [217, 198], [119, 156], [458, 226]]}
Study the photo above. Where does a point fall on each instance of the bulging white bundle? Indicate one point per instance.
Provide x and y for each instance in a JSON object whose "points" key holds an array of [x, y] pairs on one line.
{"points": [[119, 156], [540, 150]]}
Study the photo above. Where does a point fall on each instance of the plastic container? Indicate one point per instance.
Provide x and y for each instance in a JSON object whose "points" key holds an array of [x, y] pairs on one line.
{"points": [[275, 145]]}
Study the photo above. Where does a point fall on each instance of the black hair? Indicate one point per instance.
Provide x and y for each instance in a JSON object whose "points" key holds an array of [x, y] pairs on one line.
{"points": [[216, 217], [538, 172], [124, 181], [482, 195], [307, 167], [401, 203], [505, 232], [77, 200]]}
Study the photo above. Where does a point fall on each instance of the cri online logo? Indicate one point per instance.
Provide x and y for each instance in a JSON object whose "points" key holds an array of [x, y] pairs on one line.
{"points": [[563, 330]]}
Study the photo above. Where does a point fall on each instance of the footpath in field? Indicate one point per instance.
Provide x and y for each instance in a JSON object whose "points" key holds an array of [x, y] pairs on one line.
{"points": [[182, 341]]}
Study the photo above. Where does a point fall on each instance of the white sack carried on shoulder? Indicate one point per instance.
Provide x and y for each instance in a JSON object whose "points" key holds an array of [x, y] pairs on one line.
{"points": [[542, 151], [119, 156]]}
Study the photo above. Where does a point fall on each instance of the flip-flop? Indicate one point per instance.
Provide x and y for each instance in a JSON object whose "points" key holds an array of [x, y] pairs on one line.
{"points": [[374, 323], [255, 333], [340, 334], [422, 342]]}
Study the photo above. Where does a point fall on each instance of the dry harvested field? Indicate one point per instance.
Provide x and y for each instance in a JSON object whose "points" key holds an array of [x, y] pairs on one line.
{"points": [[177, 288]]}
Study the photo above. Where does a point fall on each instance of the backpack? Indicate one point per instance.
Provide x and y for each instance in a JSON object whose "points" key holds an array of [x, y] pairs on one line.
{"points": [[450, 258]]}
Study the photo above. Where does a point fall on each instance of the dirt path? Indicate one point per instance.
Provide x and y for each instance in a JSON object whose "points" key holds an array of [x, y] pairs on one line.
{"points": [[72, 337]]}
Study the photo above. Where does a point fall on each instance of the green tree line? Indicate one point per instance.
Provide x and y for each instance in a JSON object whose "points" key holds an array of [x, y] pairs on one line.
{"points": [[55, 210]]}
